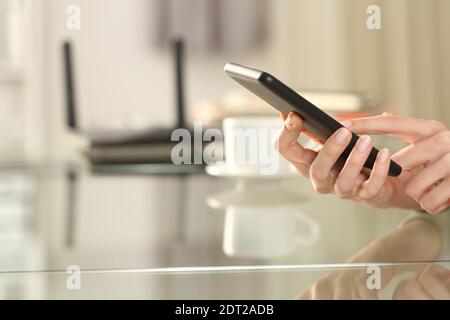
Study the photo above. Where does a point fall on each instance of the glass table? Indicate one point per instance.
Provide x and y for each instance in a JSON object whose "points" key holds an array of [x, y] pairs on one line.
{"points": [[152, 232]]}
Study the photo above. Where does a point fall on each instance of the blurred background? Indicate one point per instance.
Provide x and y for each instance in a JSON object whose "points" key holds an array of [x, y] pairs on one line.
{"points": [[57, 210], [124, 68]]}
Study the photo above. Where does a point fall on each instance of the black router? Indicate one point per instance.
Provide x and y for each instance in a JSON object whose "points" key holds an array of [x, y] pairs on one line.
{"points": [[152, 145]]}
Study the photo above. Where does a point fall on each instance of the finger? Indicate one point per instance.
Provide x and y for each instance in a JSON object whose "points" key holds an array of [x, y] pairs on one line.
{"points": [[423, 181], [304, 296], [400, 292], [425, 151], [300, 158], [443, 207], [372, 186], [289, 132], [344, 291], [432, 279], [321, 173], [363, 293], [353, 166], [407, 174], [440, 271], [322, 290], [287, 145], [411, 290], [437, 199], [405, 128], [360, 179]]}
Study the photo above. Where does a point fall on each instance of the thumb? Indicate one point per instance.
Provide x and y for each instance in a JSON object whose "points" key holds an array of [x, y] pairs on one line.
{"points": [[290, 131]]}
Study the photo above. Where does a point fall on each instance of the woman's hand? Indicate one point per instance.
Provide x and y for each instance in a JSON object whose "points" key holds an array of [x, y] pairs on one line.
{"points": [[351, 182], [426, 159]]}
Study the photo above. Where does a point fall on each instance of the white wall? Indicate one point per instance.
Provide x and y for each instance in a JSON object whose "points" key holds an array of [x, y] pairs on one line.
{"points": [[21, 124], [405, 63]]}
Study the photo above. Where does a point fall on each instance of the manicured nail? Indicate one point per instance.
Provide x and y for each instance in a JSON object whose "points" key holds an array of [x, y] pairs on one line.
{"points": [[383, 155], [290, 121], [346, 123], [363, 143], [342, 135]]}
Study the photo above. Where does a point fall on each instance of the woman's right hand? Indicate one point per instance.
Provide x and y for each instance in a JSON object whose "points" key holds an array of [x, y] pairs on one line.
{"points": [[376, 189], [425, 161]]}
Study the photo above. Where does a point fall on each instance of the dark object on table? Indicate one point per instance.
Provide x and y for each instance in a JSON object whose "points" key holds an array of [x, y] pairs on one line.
{"points": [[153, 145]]}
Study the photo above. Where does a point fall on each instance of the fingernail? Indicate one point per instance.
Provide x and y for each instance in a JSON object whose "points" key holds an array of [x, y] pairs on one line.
{"points": [[342, 135], [363, 143], [290, 121], [383, 155], [346, 123]]}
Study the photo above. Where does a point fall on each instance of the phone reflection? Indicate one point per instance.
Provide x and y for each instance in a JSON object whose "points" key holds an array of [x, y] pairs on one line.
{"points": [[416, 240]]}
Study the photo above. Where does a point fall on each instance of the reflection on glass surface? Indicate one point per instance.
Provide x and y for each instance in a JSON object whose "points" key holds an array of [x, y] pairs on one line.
{"points": [[415, 240], [160, 239]]}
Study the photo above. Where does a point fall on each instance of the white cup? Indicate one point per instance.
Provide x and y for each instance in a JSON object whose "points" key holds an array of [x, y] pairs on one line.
{"points": [[266, 232], [249, 145]]}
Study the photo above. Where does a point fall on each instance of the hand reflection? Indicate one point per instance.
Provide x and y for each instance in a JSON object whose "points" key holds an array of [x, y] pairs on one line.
{"points": [[416, 240], [431, 283]]}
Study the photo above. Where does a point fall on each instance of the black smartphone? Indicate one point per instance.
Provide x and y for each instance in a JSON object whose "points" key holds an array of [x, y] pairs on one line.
{"points": [[284, 99]]}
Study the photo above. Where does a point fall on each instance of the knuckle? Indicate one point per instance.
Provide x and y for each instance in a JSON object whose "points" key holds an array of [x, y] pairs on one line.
{"points": [[380, 176], [282, 147], [411, 190], [330, 150], [355, 160], [391, 118], [428, 207], [320, 286], [431, 269], [343, 190], [320, 188], [389, 115], [437, 125], [303, 172], [370, 192], [317, 175], [345, 196], [276, 144], [442, 138]]}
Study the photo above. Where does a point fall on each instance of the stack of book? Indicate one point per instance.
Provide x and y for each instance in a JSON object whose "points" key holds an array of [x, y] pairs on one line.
{"points": [[341, 105]]}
